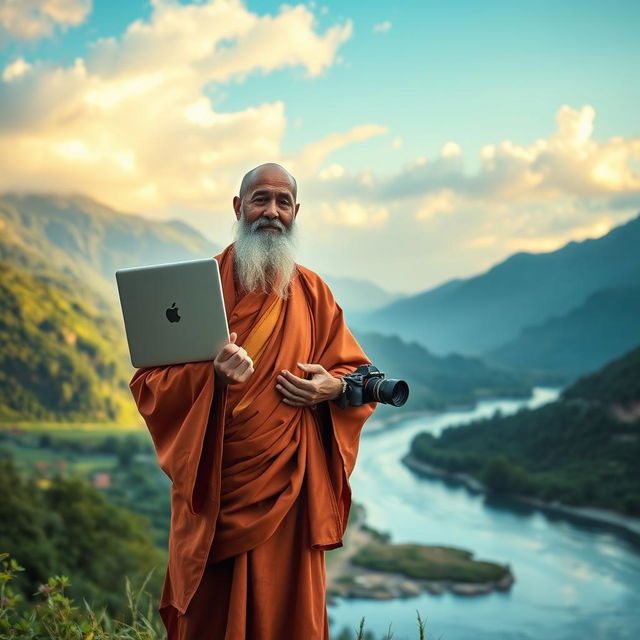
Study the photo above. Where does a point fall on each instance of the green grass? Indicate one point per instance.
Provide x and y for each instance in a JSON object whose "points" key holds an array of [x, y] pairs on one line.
{"points": [[55, 616]]}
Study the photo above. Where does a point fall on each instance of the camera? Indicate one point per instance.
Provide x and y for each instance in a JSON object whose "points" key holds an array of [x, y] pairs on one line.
{"points": [[368, 384]]}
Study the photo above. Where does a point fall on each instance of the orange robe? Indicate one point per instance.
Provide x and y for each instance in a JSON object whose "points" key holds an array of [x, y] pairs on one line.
{"points": [[260, 489]]}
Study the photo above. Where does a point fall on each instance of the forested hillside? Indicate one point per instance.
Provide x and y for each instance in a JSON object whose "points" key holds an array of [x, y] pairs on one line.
{"points": [[582, 449], [62, 357]]}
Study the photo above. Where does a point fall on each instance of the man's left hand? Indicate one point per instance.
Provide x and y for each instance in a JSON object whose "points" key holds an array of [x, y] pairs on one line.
{"points": [[300, 392]]}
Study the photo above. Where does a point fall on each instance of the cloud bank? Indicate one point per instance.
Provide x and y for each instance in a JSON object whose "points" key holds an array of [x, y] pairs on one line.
{"points": [[134, 124]]}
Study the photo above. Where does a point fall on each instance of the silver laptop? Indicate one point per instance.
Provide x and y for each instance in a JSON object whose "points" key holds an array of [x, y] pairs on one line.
{"points": [[173, 313]]}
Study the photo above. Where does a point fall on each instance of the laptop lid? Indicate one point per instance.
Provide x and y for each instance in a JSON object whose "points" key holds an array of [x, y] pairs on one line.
{"points": [[174, 312]]}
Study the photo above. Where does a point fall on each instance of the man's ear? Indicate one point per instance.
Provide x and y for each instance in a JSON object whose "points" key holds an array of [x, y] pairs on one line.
{"points": [[296, 210], [236, 206]]}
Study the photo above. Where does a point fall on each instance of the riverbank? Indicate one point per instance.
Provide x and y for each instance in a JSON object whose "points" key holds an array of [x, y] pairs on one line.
{"points": [[346, 579], [375, 425], [620, 523], [392, 420]]}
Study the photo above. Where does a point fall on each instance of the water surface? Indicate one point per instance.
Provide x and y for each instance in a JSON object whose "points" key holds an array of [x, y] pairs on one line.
{"points": [[573, 581]]}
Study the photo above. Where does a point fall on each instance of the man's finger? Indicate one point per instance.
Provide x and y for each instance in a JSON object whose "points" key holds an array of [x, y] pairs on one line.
{"points": [[301, 383], [296, 404], [227, 351], [287, 386], [286, 396], [312, 368]]}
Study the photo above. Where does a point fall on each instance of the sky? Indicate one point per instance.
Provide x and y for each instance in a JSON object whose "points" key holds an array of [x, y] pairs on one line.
{"points": [[429, 140]]}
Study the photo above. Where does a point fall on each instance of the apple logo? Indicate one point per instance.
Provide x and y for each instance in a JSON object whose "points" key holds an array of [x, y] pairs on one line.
{"points": [[172, 313]]}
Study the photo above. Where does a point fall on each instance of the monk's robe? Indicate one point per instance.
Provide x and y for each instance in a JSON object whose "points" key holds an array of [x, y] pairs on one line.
{"points": [[260, 488]]}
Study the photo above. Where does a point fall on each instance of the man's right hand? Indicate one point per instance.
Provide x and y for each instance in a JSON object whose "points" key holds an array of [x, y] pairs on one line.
{"points": [[233, 364]]}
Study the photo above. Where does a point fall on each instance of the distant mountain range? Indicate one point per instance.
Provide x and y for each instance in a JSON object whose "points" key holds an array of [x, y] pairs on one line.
{"points": [[358, 296], [63, 353], [438, 383], [558, 314]]}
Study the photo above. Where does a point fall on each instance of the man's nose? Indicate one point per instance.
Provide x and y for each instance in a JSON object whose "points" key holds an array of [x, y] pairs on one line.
{"points": [[271, 211]]}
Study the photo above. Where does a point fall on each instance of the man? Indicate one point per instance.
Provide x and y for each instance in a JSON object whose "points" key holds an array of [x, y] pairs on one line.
{"points": [[259, 454]]}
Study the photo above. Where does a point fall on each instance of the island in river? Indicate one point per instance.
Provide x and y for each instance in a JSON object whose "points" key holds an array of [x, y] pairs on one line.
{"points": [[370, 566]]}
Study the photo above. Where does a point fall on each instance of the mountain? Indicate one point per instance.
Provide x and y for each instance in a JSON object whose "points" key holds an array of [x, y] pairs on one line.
{"points": [[583, 449], [437, 383], [478, 314], [603, 327], [83, 238], [357, 296], [62, 355]]}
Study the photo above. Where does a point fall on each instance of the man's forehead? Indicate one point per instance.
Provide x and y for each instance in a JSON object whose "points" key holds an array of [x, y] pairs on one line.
{"points": [[277, 189], [271, 184]]}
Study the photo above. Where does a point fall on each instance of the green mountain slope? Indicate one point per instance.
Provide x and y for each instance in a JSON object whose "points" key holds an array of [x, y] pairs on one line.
{"points": [[61, 356], [63, 353], [88, 240], [616, 385]]}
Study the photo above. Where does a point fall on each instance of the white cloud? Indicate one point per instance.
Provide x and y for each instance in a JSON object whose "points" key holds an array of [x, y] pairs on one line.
{"points": [[306, 161], [219, 41], [133, 122], [32, 19], [568, 163], [381, 27], [15, 69], [351, 213], [441, 221], [332, 171], [443, 201], [450, 150]]}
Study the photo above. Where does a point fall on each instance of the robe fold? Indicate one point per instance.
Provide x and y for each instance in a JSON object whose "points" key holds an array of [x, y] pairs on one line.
{"points": [[245, 467]]}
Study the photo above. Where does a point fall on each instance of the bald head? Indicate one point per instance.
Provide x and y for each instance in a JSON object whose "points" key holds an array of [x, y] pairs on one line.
{"points": [[264, 170]]}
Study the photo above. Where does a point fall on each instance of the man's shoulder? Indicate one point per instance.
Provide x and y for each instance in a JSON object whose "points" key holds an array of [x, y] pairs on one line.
{"points": [[311, 276], [315, 282], [308, 273]]}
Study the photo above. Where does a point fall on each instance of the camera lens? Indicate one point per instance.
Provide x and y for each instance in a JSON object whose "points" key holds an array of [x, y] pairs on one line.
{"points": [[387, 391]]}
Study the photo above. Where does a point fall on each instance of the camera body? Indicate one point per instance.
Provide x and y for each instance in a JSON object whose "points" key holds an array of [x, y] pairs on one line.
{"points": [[368, 384]]}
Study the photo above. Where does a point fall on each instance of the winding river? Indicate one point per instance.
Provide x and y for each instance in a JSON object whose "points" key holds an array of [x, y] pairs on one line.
{"points": [[573, 581]]}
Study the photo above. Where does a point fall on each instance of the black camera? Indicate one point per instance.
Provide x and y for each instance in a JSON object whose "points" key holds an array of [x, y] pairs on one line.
{"points": [[368, 384]]}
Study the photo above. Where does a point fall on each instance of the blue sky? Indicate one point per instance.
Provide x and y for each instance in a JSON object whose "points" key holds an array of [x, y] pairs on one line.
{"points": [[468, 73]]}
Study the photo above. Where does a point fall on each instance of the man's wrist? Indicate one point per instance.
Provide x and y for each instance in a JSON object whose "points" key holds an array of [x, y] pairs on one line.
{"points": [[341, 388]]}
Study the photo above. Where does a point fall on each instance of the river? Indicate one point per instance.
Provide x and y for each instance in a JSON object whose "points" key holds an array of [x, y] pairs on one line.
{"points": [[572, 581]]}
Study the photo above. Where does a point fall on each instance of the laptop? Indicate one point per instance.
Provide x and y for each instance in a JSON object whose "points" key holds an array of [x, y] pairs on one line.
{"points": [[174, 312]]}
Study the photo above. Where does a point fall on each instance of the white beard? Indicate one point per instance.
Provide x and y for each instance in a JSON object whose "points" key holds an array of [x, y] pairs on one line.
{"points": [[264, 259]]}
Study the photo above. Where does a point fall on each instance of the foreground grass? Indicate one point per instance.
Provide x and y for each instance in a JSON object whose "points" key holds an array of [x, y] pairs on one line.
{"points": [[55, 617]]}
